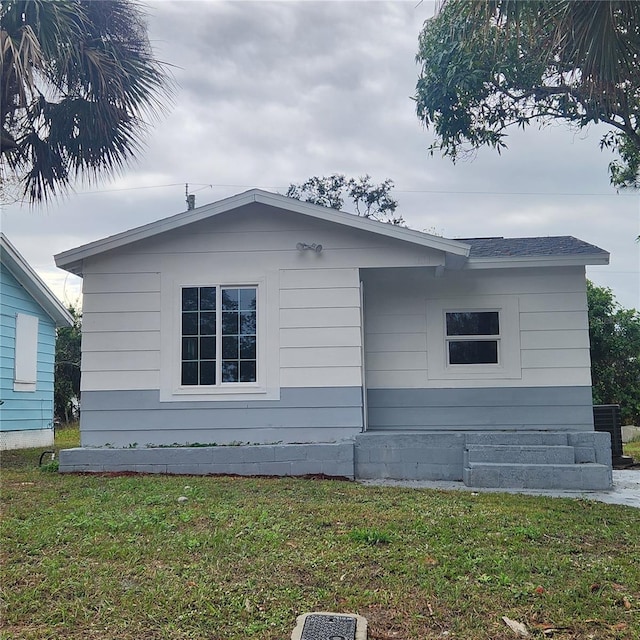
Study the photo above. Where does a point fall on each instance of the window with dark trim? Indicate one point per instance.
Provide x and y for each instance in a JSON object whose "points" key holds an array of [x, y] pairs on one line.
{"points": [[219, 339], [472, 337]]}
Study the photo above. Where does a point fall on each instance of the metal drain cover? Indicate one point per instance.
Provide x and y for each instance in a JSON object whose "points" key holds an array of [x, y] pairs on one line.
{"points": [[319, 626]]}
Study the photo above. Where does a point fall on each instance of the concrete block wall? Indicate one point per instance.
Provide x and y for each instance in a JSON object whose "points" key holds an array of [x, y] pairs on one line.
{"points": [[502, 459], [409, 456], [331, 459]]}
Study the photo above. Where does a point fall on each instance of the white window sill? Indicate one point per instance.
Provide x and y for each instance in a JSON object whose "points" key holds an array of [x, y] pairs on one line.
{"points": [[24, 386], [220, 394]]}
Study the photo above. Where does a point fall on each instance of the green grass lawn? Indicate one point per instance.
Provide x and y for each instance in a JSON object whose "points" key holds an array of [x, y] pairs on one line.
{"points": [[632, 449], [118, 557]]}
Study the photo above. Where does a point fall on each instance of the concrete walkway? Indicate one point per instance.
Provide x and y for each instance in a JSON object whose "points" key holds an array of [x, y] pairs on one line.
{"points": [[626, 489]]}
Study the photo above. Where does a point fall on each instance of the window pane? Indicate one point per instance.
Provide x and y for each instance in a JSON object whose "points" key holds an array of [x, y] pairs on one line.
{"points": [[208, 348], [247, 371], [473, 323], [208, 323], [189, 373], [207, 372], [248, 347], [248, 323], [230, 371], [247, 299], [230, 324], [190, 299], [189, 348], [229, 299], [230, 348], [207, 298], [190, 324], [473, 352], [204, 339]]}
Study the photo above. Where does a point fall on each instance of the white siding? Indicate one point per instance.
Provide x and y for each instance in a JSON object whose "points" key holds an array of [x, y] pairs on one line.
{"points": [[312, 319], [395, 330], [326, 350], [124, 380], [120, 331], [312, 314], [552, 321], [125, 361], [118, 302]]}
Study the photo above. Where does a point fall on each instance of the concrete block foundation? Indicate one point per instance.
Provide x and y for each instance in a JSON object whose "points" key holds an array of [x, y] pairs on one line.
{"points": [[509, 459]]}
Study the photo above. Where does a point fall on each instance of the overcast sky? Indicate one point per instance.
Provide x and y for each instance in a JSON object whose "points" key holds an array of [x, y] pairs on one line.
{"points": [[270, 93]]}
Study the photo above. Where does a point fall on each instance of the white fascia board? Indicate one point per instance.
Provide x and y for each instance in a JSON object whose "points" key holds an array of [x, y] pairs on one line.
{"points": [[509, 262], [71, 260], [33, 284]]}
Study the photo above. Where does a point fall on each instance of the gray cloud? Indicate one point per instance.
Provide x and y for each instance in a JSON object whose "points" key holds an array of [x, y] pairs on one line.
{"points": [[271, 93]]}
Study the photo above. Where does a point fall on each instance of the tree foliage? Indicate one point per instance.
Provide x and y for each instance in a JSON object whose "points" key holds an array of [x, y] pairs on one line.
{"points": [[78, 81], [66, 394], [615, 353], [369, 200], [488, 65]]}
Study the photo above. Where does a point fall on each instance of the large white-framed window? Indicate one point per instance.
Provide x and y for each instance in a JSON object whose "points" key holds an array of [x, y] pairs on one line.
{"points": [[219, 341], [222, 348], [474, 337]]}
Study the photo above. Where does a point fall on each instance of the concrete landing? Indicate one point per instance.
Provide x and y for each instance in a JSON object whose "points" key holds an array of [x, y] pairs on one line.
{"points": [[625, 489]]}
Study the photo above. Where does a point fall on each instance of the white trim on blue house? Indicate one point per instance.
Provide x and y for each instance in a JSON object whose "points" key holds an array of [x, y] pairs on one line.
{"points": [[32, 282]]}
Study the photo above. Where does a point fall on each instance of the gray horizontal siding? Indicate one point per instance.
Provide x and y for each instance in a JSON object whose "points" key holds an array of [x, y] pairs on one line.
{"points": [[146, 400], [121, 418], [238, 418], [555, 408]]}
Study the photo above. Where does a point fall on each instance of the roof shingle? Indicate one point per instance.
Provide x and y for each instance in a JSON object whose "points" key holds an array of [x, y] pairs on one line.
{"points": [[543, 246]]}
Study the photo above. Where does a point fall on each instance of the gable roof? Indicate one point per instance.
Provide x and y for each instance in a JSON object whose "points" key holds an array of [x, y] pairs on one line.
{"points": [[33, 284], [472, 253], [72, 260]]}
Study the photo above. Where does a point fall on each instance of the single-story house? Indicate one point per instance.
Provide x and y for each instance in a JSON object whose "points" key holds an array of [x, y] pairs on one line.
{"points": [[313, 341], [29, 315]]}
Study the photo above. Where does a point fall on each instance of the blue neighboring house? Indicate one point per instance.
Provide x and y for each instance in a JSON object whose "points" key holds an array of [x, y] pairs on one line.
{"points": [[29, 315]]}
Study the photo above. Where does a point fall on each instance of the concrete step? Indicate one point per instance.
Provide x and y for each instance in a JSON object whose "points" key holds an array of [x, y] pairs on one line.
{"points": [[584, 477], [550, 438], [523, 454]]}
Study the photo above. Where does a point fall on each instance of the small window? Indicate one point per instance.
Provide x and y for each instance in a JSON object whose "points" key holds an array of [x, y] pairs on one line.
{"points": [[472, 337], [219, 339]]}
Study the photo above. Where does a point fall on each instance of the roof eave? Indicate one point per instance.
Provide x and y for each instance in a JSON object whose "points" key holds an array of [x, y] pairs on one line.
{"points": [[33, 284], [71, 260], [504, 262]]}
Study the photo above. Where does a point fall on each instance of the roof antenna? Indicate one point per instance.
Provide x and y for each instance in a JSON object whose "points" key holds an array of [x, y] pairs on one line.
{"points": [[191, 198]]}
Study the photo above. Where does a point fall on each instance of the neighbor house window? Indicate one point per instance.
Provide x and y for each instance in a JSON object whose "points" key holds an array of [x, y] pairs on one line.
{"points": [[472, 337], [26, 353], [219, 340]]}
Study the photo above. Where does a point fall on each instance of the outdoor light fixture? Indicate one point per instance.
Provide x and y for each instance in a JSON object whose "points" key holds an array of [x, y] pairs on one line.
{"points": [[303, 246]]}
